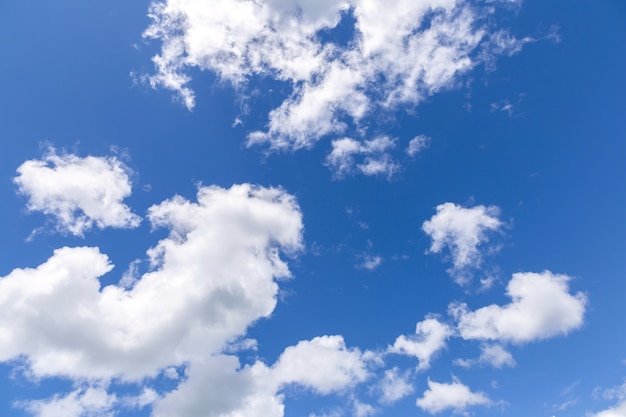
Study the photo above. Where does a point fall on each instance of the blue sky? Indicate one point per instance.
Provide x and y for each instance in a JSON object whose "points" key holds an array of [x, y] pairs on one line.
{"points": [[312, 208]]}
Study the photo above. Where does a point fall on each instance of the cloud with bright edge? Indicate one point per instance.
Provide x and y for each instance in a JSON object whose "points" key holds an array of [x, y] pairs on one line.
{"points": [[429, 338], [398, 56], [541, 307], [455, 396], [78, 192], [464, 231]]}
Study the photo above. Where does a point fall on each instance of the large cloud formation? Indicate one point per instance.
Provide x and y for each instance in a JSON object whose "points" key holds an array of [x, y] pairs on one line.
{"points": [[212, 277], [394, 56]]}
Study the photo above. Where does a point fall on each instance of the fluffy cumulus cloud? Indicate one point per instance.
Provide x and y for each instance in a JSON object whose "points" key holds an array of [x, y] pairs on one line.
{"points": [[429, 338], [210, 279], [78, 192], [455, 396], [396, 56], [323, 364], [464, 231], [541, 307]]}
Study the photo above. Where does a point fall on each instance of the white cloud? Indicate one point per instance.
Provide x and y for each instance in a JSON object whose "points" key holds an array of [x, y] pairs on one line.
{"points": [[78, 192], [394, 386], [370, 262], [618, 410], [375, 153], [494, 355], [323, 364], [541, 307], [82, 402], [615, 393], [363, 409], [147, 397], [218, 386], [463, 231], [456, 395], [398, 56], [430, 337], [211, 279], [417, 145]]}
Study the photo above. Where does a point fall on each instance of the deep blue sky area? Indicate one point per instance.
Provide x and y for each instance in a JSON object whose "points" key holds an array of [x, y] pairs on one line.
{"points": [[538, 133]]}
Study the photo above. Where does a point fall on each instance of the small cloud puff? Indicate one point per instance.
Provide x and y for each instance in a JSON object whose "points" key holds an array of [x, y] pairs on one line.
{"points": [[417, 145], [463, 231], [455, 396], [376, 160], [429, 338], [78, 192]]}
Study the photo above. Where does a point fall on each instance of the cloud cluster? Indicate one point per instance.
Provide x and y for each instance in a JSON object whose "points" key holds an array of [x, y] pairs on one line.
{"points": [[210, 279], [462, 231], [213, 276], [394, 56], [541, 307], [78, 192]]}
